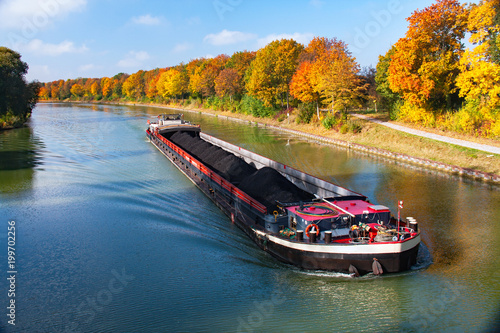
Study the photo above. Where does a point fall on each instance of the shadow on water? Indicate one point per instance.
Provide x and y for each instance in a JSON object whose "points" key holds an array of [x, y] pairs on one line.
{"points": [[20, 155]]}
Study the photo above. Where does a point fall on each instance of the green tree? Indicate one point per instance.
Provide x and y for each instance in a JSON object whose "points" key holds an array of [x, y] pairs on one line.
{"points": [[17, 97], [388, 97]]}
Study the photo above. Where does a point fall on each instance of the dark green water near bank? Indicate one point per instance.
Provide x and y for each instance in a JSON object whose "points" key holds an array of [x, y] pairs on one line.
{"points": [[110, 237]]}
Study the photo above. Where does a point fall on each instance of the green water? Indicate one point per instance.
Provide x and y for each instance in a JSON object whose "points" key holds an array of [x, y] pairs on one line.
{"points": [[110, 237]]}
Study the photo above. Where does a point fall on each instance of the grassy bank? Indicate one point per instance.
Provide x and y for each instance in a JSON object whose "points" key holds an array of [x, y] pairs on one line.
{"points": [[374, 135]]}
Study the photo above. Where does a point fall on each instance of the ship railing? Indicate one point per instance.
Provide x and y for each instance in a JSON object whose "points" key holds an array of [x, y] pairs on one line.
{"points": [[213, 176], [406, 230]]}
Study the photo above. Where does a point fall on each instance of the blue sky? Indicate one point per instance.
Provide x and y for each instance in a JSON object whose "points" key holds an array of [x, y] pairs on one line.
{"points": [[62, 39]]}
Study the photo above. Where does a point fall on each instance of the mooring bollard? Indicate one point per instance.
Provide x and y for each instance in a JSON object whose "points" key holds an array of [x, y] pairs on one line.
{"points": [[328, 237], [312, 237], [300, 235]]}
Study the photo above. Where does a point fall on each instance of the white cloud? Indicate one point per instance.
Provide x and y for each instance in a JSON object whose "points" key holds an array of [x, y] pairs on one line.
{"points": [[31, 15], [228, 37], [182, 47], [147, 20], [39, 47], [133, 59], [303, 38]]}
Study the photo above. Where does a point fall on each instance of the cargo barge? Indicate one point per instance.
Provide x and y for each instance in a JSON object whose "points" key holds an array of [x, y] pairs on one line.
{"points": [[297, 218]]}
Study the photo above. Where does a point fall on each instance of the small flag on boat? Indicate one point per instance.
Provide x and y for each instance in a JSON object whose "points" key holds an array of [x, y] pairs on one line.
{"points": [[401, 204]]}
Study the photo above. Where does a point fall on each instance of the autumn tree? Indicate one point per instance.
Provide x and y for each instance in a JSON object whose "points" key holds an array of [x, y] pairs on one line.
{"points": [[193, 70], [305, 81], [151, 80], [65, 90], [240, 61], [77, 90], [172, 83], [95, 89], [479, 78], [328, 74], [107, 87], [228, 83], [44, 93], [210, 71], [272, 70], [424, 66], [301, 86], [338, 82], [54, 90], [133, 86]]}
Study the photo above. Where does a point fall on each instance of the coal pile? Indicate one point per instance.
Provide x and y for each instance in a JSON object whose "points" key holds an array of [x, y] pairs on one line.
{"points": [[265, 185]]}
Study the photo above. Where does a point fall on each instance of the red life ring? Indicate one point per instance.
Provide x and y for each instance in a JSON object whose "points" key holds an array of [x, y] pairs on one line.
{"points": [[309, 227]]}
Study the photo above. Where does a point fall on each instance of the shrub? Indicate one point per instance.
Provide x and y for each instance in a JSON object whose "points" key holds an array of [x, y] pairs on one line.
{"points": [[344, 128], [330, 121], [354, 126], [255, 107], [306, 112], [416, 114]]}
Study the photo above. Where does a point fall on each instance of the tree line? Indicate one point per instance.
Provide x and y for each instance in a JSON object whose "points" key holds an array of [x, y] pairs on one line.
{"points": [[427, 77]]}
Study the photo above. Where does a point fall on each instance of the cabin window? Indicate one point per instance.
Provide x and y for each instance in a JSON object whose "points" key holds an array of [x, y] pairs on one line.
{"points": [[293, 223]]}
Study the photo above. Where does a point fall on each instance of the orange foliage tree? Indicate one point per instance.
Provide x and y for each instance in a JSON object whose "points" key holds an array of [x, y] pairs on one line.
{"points": [[228, 83], [328, 73], [424, 66]]}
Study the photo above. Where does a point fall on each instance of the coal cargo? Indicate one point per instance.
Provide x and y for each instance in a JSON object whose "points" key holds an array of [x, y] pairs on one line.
{"points": [[265, 185]]}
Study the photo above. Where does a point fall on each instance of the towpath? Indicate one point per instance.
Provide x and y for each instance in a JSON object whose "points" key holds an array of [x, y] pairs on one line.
{"points": [[458, 142]]}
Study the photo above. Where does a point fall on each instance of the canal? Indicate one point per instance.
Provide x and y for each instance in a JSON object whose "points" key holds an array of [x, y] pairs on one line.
{"points": [[111, 237]]}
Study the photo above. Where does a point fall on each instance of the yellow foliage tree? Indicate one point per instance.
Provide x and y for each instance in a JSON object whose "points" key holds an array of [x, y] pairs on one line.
{"points": [[133, 87], [272, 70], [95, 88], [172, 83], [335, 77], [479, 77]]}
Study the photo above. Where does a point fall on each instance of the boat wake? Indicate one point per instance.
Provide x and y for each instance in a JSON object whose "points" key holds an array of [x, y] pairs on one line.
{"points": [[424, 260]]}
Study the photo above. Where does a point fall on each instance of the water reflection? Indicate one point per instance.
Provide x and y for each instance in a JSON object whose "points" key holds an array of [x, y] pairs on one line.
{"points": [[20, 154]]}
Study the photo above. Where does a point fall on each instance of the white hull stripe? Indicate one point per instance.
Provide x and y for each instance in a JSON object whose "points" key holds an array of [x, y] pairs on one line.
{"points": [[373, 248]]}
